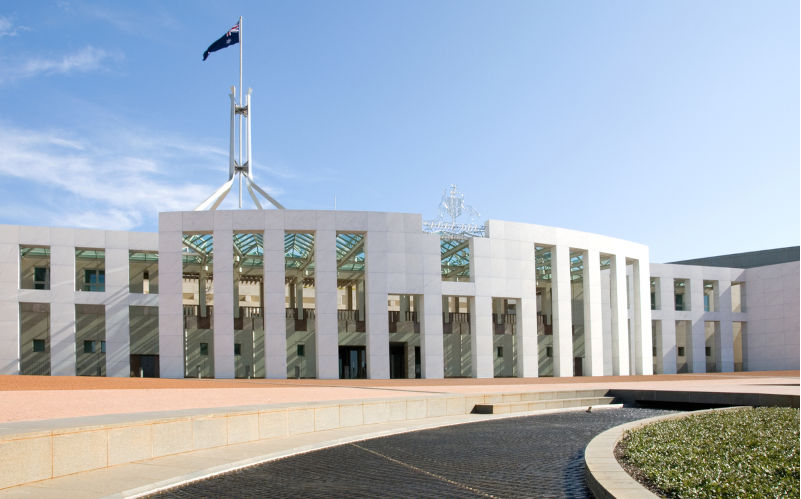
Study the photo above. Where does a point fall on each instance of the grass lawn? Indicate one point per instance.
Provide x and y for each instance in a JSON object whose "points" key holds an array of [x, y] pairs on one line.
{"points": [[731, 453]]}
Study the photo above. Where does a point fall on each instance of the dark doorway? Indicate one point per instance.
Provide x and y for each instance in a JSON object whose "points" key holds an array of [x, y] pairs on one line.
{"points": [[145, 366], [397, 360], [417, 371], [352, 362], [577, 371]]}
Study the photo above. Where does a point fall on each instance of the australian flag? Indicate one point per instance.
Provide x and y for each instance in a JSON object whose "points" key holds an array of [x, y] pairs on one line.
{"points": [[227, 39]]}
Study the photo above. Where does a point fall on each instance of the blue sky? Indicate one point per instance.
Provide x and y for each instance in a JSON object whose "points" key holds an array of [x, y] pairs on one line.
{"points": [[673, 124]]}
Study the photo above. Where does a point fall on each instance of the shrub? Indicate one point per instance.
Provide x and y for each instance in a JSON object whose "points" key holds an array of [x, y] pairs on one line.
{"points": [[732, 453]]}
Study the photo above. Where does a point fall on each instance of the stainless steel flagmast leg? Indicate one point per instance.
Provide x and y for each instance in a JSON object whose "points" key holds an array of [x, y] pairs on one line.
{"points": [[241, 42]]}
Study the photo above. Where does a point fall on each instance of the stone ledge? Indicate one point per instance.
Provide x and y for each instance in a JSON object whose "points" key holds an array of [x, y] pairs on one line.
{"points": [[606, 479], [48, 449]]}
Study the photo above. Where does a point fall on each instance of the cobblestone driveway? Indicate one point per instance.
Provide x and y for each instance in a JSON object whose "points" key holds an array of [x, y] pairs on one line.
{"points": [[534, 456]]}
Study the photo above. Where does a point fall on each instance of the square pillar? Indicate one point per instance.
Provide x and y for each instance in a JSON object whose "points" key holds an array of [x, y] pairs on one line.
{"points": [[431, 340], [642, 319], [224, 303], [562, 312], [375, 300], [669, 345], [62, 310], [481, 345], [171, 319], [274, 312], [526, 338], [325, 288], [620, 330], [9, 306], [725, 346], [118, 338], [593, 314], [697, 342]]}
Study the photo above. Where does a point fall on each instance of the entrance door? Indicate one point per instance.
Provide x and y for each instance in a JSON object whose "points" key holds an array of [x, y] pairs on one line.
{"points": [[417, 371], [577, 370], [146, 366], [352, 362], [397, 360]]}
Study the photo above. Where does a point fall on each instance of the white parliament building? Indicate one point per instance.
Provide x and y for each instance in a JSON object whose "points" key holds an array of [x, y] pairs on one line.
{"points": [[277, 293]]}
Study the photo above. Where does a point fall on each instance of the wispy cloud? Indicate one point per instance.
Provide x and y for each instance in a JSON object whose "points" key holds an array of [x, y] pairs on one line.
{"points": [[7, 27], [119, 187], [84, 60]]}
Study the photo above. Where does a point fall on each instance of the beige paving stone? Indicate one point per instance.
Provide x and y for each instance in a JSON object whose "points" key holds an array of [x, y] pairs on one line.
{"points": [[209, 432], [243, 428], [83, 451], [397, 410], [171, 437], [300, 421], [326, 418], [25, 460], [351, 414], [376, 412], [273, 424], [454, 406], [415, 409], [436, 407], [129, 443]]}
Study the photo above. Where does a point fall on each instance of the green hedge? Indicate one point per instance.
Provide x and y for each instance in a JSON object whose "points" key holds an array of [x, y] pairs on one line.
{"points": [[732, 453]]}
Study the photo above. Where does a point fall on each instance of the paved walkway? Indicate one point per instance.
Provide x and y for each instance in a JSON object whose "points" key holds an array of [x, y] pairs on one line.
{"points": [[38, 399], [28, 398], [535, 456]]}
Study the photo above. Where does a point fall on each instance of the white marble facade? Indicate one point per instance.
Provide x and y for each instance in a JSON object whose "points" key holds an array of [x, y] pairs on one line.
{"points": [[614, 306]]}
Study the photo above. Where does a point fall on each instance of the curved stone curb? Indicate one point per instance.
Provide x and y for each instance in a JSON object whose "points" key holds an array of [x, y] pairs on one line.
{"points": [[605, 477]]}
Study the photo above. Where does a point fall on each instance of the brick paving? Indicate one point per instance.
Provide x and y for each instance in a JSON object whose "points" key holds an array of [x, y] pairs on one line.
{"points": [[534, 456]]}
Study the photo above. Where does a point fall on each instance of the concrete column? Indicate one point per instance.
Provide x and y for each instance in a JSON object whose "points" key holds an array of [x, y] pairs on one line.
{"points": [[405, 307], [349, 291], [360, 314], [620, 331], [697, 342], [325, 282], [526, 338], [669, 345], [431, 340], [593, 314], [9, 306], [373, 297], [224, 303], [410, 364], [725, 353], [562, 317], [118, 339], [274, 303], [481, 345], [201, 292], [171, 319], [299, 298], [62, 309], [236, 292], [642, 319]]}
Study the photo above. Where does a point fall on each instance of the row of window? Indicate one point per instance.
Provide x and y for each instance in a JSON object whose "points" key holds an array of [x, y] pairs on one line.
{"points": [[681, 295], [90, 274]]}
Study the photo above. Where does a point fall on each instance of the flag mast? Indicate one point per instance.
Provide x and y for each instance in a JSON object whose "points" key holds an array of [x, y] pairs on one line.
{"points": [[240, 103]]}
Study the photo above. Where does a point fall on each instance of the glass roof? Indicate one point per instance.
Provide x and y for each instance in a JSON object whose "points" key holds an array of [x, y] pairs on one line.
{"points": [[350, 252], [198, 248], [143, 256], [89, 254], [299, 257], [34, 251], [455, 257]]}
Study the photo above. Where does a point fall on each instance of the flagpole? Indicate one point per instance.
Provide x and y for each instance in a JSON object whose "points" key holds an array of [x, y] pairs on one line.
{"points": [[240, 103]]}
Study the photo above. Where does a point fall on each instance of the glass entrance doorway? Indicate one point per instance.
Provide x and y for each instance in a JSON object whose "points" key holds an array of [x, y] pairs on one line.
{"points": [[397, 360], [352, 362]]}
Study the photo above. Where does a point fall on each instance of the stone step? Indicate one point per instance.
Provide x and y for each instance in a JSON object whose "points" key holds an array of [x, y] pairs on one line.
{"points": [[535, 405]]}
